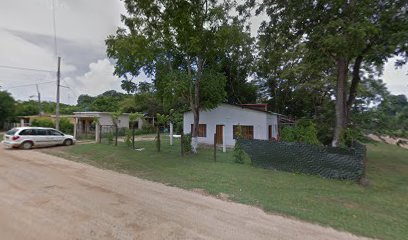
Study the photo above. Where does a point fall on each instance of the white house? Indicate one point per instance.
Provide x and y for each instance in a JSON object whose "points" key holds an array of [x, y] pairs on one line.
{"points": [[254, 122], [88, 123]]}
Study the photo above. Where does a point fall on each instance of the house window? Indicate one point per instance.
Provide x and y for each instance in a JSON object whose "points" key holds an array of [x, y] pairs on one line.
{"points": [[247, 132], [202, 130]]}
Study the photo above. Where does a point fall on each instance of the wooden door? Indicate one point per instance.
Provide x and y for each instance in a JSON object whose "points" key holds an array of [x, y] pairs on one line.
{"points": [[219, 130], [270, 132]]}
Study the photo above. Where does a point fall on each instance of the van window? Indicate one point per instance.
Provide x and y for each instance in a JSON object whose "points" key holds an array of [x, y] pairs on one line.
{"points": [[26, 132], [12, 131], [40, 132], [54, 133]]}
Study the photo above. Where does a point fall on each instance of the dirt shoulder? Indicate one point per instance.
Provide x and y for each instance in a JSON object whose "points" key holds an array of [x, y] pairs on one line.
{"points": [[46, 197]]}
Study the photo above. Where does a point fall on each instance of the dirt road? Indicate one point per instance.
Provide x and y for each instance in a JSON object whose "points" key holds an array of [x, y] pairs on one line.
{"points": [[45, 197]]}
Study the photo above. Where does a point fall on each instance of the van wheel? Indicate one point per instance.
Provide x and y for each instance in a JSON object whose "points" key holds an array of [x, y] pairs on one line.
{"points": [[68, 142], [27, 145]]}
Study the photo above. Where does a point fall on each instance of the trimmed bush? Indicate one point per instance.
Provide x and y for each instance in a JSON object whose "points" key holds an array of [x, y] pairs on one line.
{"points": [[303, 131], [239, 154], [66, 126], [44, 122], [187, 143]]}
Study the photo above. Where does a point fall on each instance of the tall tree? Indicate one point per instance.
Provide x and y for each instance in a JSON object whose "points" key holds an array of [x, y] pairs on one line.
{"points": [[176, 42], [6, 107], [344, 33]]}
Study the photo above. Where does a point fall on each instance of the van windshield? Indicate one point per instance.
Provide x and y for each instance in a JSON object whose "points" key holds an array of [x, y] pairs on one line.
{"points": [[12, 131]]}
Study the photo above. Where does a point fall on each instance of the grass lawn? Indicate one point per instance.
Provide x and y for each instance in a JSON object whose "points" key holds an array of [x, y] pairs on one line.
{"points": [[379, 211]]}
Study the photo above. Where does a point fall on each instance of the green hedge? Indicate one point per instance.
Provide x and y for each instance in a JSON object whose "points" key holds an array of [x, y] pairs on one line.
{"points": [[328, 162]]}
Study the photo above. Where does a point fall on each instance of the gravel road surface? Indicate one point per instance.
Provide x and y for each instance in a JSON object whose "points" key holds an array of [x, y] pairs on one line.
{"points": [[46, 197]]}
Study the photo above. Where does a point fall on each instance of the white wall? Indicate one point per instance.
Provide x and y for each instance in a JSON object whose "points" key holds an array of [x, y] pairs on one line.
{"points": [[106, 119], [229, 115], [272, 120]]}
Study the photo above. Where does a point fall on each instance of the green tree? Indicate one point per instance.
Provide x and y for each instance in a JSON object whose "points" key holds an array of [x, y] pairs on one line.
{"points": [[177, 42], [6, 107], [129, 86], [108, 101], [344, 33], [85, 101]]}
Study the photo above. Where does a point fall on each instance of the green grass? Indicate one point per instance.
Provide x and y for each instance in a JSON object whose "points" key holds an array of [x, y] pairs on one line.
{"points": [[380, 210]]}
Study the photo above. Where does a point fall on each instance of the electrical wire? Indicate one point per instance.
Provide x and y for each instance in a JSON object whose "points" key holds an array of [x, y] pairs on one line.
{"points": [[28, 85], [71, 88], [26, 69]]}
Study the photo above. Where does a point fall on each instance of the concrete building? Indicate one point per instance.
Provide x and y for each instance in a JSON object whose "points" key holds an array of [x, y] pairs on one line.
{"points": [[252, 121], [91, 123]]}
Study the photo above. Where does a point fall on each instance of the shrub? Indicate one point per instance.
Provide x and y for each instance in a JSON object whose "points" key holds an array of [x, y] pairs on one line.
{"points": [[144, 131], [349, 136], [303, 131], [147, 128], [110, 137], [42, 123], [66, 126], [239, 154], [128, 138], [187, 142]]}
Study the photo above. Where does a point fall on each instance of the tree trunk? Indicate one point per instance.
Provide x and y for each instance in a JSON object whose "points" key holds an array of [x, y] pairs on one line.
{"points": [[196, 106], [354, 86], [342, 70], [194, 134]]}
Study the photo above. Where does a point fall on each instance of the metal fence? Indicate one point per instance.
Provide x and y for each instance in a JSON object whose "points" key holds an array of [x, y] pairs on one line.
{"points": [[108, 134]]}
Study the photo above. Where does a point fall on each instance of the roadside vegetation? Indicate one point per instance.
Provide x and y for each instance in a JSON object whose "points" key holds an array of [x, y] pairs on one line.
{"points": [[378, 211]]}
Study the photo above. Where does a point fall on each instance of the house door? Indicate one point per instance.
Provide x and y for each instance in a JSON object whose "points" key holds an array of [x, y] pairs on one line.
{"points": [[270, 132], [219, 130]]}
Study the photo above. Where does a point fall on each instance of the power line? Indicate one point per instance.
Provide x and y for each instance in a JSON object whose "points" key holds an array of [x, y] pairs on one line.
{"points": [[26, 69], [71, 88], [28, 85]]}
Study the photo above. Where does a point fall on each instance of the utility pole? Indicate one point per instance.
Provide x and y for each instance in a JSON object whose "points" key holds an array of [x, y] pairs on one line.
{"points": [[57, 108], [39, 100]]}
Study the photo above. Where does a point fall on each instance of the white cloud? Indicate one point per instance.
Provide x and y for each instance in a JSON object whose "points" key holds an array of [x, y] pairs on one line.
{"points": [[396, 79], [98, 79]]}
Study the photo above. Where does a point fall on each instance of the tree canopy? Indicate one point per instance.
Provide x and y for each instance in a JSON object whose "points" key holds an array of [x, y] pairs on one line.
{"points": [[180, 44], [7, 108], [322, 41]]}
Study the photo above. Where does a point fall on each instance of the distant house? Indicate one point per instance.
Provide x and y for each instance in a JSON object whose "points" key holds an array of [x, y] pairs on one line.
{"points": [[88, 123], [252, 121]]}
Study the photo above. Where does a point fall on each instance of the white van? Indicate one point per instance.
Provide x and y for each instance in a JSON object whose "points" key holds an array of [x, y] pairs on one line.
{"points": [[28, 137]]}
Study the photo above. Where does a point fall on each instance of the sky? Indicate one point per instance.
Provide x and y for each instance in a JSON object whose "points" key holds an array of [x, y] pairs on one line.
{"points": [[27, 41]]}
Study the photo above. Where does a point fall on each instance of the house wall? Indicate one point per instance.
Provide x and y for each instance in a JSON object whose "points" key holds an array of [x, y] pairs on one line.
{"points": [[272, 120], [106, 119], [229, 116]]}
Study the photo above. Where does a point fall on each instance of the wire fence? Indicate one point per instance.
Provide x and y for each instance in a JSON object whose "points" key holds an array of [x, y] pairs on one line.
{"points": [[328, 162]]}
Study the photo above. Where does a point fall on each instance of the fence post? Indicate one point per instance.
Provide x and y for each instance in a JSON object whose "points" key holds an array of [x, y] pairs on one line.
{"points": [[133, 135], [116, 133], [182, 144], [215, 147], [158, 139], [100, 133], [171, 133]]}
